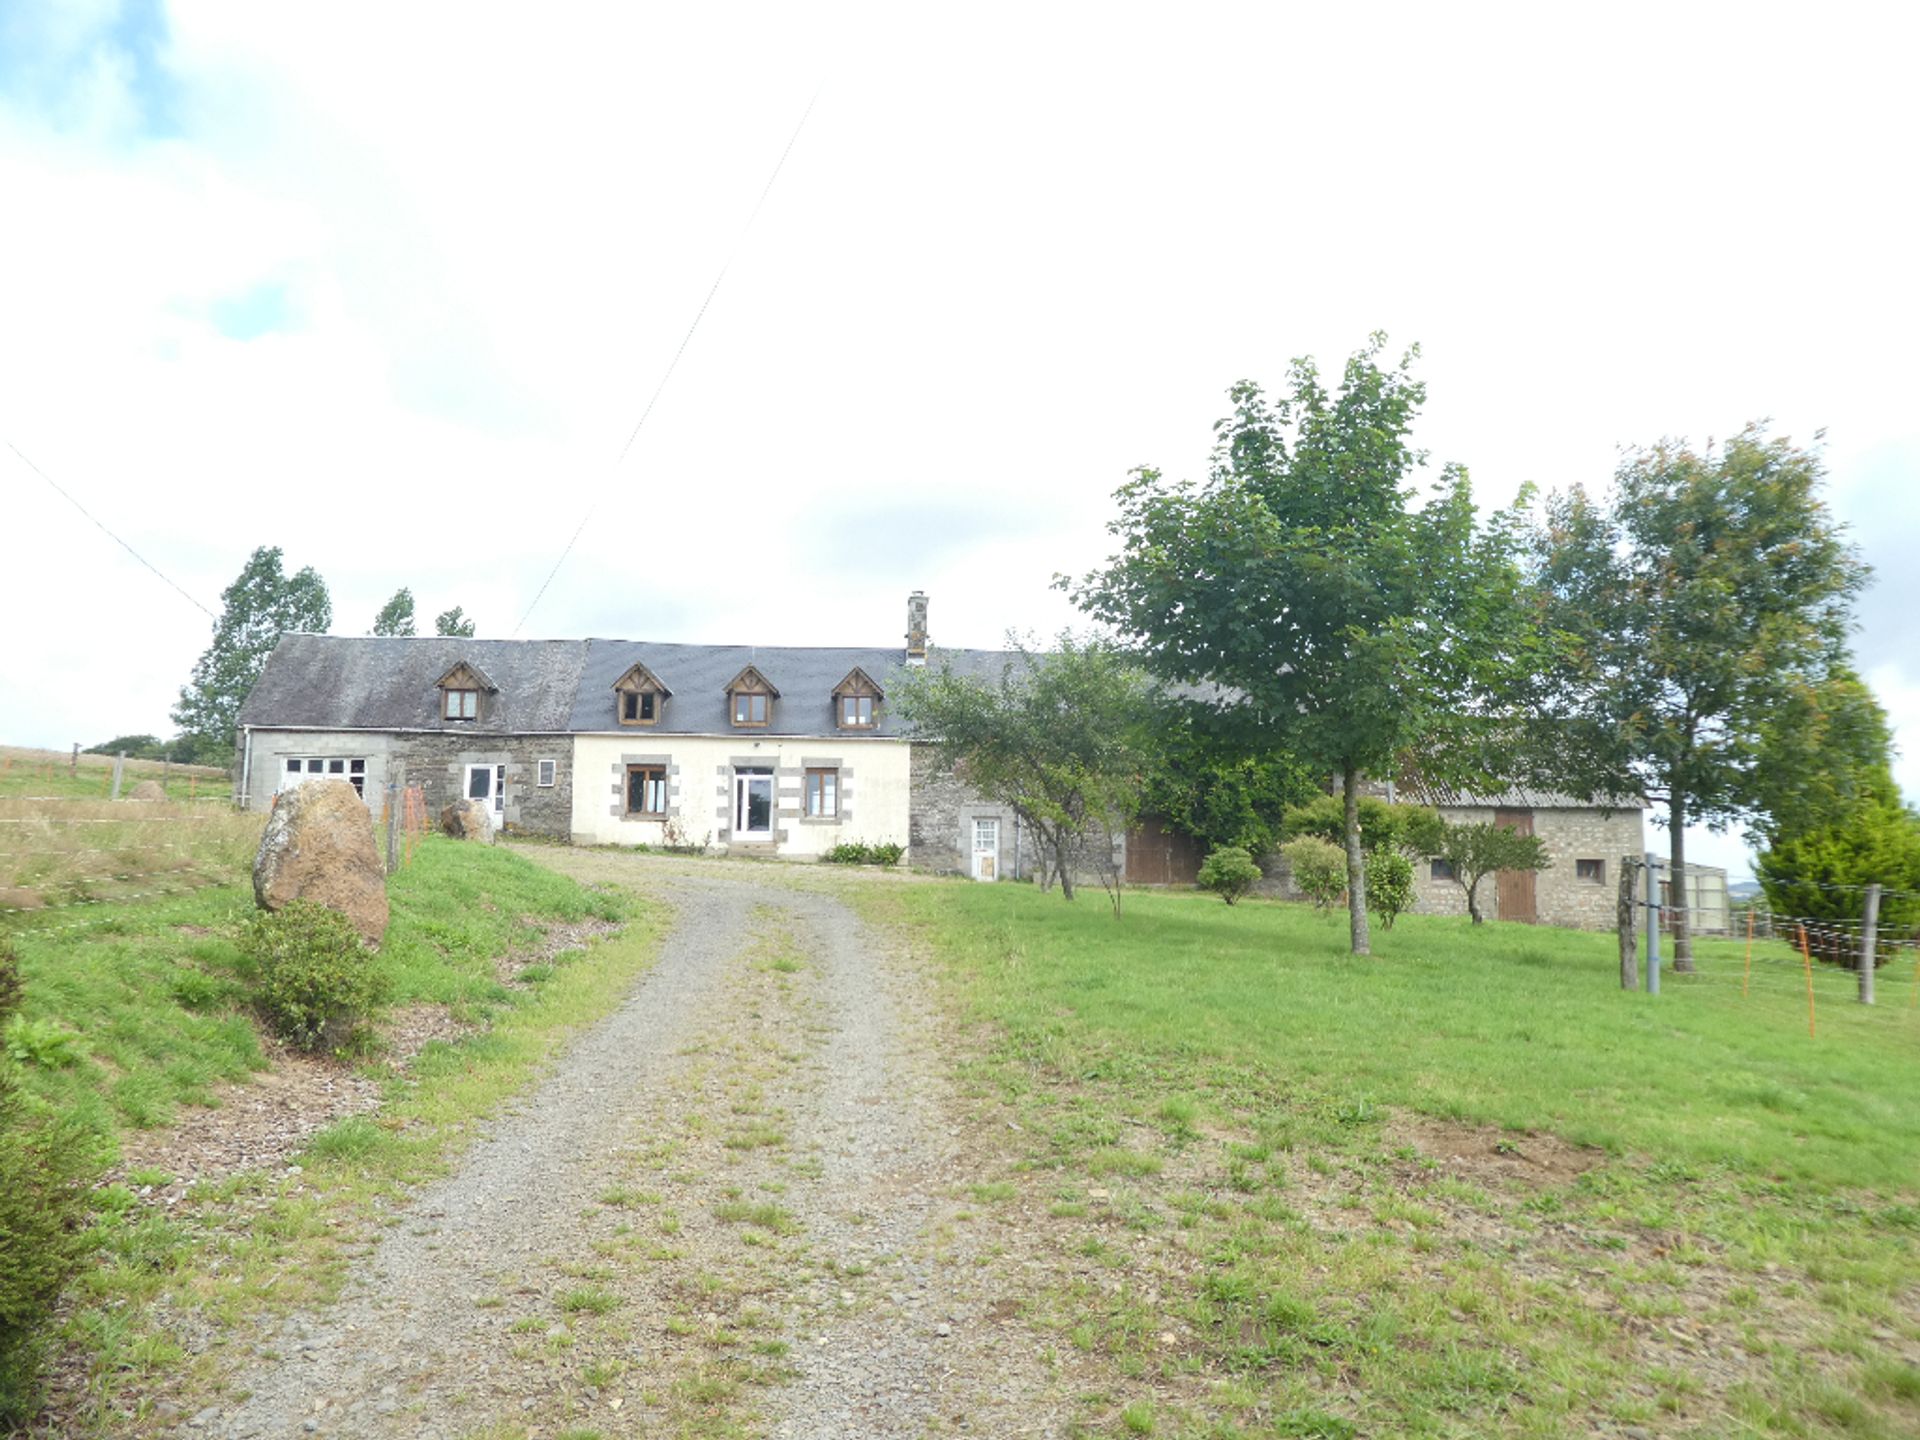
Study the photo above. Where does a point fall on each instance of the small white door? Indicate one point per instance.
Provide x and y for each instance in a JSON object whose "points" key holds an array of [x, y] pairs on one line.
{"points": [[488, 783], [986, 849], [753, 804]]}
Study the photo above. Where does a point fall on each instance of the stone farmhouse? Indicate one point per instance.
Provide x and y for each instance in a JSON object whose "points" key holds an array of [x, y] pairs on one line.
{"points": [[781, 751]]}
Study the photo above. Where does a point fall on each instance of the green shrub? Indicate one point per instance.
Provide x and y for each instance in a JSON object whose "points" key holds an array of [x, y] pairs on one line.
{"points": [[46, 1163], [1229, 872], [1319, 869], [1389, 885], [852, 852], [317, 983], [39, 1042]]}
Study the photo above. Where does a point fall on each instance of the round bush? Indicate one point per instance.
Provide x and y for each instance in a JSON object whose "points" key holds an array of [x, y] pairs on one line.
{"points": [[1319, 870], [1389, 885], [317, 983], [1228, 872]]}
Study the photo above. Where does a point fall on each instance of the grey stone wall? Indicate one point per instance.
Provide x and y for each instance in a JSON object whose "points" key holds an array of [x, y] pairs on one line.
{"points": [[438, 764], [941, 809]]}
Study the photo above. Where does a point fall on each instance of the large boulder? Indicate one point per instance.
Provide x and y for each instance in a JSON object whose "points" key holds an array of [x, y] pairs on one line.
{"points": [[148, 790], [468, 820], [319, 846]]}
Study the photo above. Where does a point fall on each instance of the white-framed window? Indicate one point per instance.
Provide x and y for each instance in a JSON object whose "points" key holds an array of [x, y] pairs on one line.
{"points": [[350, 768], [822, 793], [546, 769]]}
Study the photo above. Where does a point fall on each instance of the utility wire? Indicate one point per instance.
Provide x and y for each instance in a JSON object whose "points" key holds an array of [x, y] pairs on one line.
{"points": [[673, 363], [109, 534]]}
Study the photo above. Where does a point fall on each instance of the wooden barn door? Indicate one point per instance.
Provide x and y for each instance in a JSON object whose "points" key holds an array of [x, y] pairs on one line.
{"points": [[1159, 856], [1513, 889]]}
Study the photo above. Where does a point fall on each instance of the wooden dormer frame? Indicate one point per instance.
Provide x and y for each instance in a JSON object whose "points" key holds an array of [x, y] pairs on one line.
{"points": [[464, 679], [751, 682], [648, 692], [857, 686]]}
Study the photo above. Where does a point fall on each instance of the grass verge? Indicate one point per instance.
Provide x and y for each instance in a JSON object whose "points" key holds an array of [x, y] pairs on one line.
{"points": [[1464, 1188], [150, 997]]}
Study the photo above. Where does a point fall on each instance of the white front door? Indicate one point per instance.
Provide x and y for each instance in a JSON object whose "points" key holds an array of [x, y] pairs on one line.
{"points": [[986, 849], [753, 803], [488, 784]]}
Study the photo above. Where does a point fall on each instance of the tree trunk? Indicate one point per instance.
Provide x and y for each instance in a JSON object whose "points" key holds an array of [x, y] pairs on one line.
{"points": [[1356, 865], [1677, 888], [1473, 900], [1060, 845]]}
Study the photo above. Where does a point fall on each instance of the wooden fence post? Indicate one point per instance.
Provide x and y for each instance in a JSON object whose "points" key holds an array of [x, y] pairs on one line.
{"points": [[1629, 960]]}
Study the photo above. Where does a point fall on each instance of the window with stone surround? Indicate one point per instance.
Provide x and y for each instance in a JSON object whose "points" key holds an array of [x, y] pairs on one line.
{"points": [[822, 794], [1594, 872], [647, 792], [546, 772], [1441, 870]]}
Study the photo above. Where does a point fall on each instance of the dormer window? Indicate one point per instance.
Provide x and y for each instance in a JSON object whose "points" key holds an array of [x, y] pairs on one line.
{"points": [[750, 699], [856, 701], [639, 697], [460, 690]]}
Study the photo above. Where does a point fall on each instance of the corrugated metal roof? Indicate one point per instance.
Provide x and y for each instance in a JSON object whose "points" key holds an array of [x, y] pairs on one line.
{"points": [[1514, 797]]}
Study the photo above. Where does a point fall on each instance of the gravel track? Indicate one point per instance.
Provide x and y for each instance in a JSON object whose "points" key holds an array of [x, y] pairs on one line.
{"points": [[737, 1200]]}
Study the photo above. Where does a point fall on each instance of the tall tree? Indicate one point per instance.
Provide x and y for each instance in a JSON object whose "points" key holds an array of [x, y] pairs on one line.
{"points": [[1216, 788], [262, 604], [1062, 738], [1330, 607], [396, 616], [453, 622], [1686, 607]]}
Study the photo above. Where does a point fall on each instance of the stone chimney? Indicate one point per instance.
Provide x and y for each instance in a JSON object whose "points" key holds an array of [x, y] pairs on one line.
{"points": [[917, 628]]}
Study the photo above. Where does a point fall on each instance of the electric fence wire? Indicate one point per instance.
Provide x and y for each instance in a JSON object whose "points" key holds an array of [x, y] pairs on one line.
{"points": [[672, 364]]}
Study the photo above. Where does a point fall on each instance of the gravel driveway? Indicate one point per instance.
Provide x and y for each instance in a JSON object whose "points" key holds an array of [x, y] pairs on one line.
{"points": [[739, 1200]]}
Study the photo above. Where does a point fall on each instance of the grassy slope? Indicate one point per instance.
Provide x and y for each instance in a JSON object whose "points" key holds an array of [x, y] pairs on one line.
{"points": [[153, 996], [1224, 1075]]}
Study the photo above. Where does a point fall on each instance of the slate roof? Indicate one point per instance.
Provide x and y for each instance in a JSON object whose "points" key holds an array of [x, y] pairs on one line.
{"points": [[379, 682], [368, 682]]}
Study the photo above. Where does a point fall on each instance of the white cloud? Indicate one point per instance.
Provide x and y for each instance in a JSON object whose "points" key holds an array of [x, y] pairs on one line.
{"points": [[1017, 251]]}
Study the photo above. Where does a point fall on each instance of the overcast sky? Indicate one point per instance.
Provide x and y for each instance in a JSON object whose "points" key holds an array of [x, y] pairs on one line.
{"points": [[389, 286]]}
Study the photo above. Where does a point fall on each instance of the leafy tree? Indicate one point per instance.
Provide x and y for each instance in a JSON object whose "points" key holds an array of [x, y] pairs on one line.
{"points": [[1384, 827], [1303, 583], [1215, 789], [134, 747], [260, 606], [453, 622], [1228, 872], [1825, 750], [1685, 606], [1476, 849], [396, 616], [1060, 738], [1820, 872]]}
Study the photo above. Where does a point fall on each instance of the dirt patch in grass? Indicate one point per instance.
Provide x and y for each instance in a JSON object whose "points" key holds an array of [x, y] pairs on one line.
{"points": [[254, 1126], [556, 940], [1487, 1156]]}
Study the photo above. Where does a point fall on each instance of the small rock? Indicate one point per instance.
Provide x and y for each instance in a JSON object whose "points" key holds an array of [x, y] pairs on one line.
{"points": [[943, 1330]]}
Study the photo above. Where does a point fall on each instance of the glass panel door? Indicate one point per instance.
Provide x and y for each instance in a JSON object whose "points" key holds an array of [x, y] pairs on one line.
{"points": [[753, 804], [986, 849]]}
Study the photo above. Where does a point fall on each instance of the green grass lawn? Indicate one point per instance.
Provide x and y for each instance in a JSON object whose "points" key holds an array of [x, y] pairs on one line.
{"points": [[1240, 1127], [141, 1012]]}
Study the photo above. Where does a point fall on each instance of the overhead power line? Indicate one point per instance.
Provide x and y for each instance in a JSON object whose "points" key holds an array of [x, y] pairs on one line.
{"points": [[63, 493], [673, 363]]}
